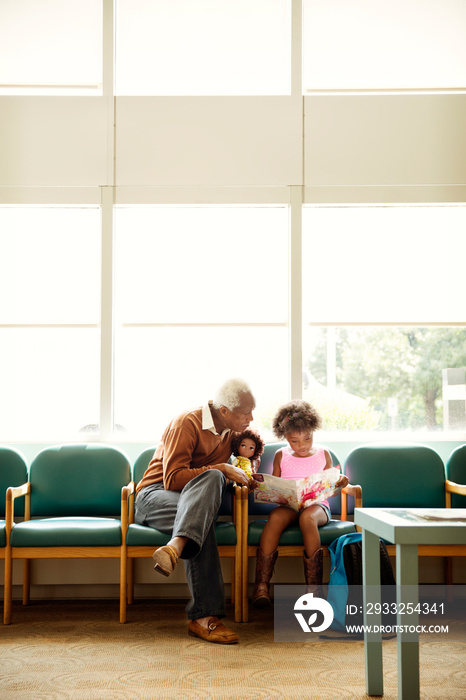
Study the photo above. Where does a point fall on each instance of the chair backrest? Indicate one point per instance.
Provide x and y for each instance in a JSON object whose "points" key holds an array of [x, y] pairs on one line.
{"points": [[266, 467], [397, 476], [142, 462], [80, 480], [335, 501], [456, 471], [13, 472]]}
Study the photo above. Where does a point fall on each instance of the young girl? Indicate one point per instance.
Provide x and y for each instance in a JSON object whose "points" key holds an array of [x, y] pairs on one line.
{"points": [[247, 447], [295, 422]]}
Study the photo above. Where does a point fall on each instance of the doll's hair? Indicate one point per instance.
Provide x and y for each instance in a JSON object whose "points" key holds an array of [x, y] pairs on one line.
{"points": [[248, 435], [295, 417]]}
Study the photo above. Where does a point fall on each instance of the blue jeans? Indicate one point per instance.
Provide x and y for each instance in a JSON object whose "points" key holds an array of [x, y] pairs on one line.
{"points": [[191, 513]]}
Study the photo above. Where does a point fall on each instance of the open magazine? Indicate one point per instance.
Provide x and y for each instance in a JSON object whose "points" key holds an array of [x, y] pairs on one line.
{"points": [[296, 494], [445, 515]]}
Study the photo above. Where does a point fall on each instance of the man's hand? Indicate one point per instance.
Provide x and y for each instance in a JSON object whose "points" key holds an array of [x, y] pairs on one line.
{"points": [[236, 474]]}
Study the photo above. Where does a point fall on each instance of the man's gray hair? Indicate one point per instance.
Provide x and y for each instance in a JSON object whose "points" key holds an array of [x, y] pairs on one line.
{"points": [[229, 393]]}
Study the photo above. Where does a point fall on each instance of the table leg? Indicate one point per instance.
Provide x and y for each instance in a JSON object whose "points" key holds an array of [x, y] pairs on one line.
{"points": [[372, 594], [407, 641]]}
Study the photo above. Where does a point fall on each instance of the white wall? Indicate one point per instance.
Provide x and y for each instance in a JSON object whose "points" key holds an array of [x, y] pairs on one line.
{"points": [[362, 141]]}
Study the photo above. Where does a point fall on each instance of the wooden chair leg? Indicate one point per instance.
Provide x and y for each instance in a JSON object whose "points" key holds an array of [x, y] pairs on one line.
{"points": [[245, 568], [7, 594], [236, 587], [130, 576], [233, 581], [448, 569], [26, 581], [123, 584], [448, 573]]}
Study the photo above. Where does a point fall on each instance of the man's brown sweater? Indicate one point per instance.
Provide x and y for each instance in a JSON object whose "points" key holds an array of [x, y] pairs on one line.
{"points": [[186, 450]]}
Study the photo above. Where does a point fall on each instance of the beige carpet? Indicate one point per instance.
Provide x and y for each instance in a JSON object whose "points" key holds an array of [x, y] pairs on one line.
{"points": [[79, 650]]}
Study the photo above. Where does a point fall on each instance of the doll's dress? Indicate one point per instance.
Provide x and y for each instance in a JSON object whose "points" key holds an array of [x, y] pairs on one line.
{"points": [[243, 463]]}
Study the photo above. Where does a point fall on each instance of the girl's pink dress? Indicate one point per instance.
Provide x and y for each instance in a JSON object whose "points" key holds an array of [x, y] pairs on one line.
{"points": [[299, 467]]}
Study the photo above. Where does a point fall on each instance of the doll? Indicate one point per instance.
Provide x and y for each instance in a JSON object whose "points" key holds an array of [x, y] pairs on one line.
{"points": [[247, 447]]}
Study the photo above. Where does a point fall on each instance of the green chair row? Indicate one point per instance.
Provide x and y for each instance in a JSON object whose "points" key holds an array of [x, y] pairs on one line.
{"points": [[13, 472], [79, 503]]}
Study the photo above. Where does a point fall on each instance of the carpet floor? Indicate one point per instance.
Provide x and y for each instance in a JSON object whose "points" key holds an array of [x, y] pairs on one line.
{"points": [[79, 651]]}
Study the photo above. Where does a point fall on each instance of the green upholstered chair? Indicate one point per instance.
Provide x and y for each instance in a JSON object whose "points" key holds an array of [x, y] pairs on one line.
{"points": [[13, 472], [291, 541], [397, 476], [455, 490], [401, 476], [141, 541], [456, 478], [73, 505]]}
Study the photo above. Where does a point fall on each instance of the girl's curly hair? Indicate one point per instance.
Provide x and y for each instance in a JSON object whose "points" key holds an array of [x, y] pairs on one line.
{"points": [[295, 416], [248, 435]]}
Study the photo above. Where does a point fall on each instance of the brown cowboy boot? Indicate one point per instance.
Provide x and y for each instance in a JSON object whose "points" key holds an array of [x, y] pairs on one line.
{"points": [[313, 572], [264, 570]]}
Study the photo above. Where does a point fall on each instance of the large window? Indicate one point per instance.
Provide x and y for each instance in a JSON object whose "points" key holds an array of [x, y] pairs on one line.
{"points": [[206, 47], [50, 48], [201, 295], [49, 321], [129, 290], [376, 45], [390, 281]]}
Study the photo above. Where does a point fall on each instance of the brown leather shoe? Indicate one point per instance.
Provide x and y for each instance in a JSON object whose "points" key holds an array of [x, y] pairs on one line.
{"points": [[215, 632], [166, 558]]}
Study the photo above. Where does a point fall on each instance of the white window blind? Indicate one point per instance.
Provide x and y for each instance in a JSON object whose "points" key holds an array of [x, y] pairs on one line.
{"points": [[49, 321], [50, 46], [388, 264], [201, 295], [374, 44], [207, 47]]}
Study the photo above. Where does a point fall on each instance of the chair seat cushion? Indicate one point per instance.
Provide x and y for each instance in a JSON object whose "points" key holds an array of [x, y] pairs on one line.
{"points": [[225, 534], [2, 533], [141, 535], [292, 535], [67, 532]]}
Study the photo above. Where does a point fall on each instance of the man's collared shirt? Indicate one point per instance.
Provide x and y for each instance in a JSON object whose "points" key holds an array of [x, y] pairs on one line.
{"points": [[208, 421]]}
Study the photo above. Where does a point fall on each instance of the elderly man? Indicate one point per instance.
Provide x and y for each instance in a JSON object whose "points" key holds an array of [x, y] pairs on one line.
{"points": [[180, 493]]}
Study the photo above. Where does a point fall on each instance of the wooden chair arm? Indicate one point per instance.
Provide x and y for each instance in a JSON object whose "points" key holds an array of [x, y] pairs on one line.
{"points": [[452, 487], [237, 492], [127, 506], [12, 493], [127, 490], [238, 504], [350, 490], [18, 491]]}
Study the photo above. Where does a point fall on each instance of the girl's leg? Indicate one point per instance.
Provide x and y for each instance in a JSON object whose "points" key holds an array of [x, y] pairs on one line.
{"points": [[310, 520], [266, 555], [279, 519]]}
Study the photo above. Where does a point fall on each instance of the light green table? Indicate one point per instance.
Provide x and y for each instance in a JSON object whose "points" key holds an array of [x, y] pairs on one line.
{"points": [[401, 527]]}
